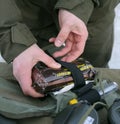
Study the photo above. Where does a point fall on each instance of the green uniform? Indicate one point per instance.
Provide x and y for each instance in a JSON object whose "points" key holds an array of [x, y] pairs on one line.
{"points": [[25, 22]]}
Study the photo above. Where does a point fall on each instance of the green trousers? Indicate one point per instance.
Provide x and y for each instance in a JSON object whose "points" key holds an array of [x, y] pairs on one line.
{"points": [[6, 74]]}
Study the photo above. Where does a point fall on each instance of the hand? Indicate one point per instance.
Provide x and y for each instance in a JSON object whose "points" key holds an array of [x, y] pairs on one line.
{"points": [[74, 33], [23, 64]]}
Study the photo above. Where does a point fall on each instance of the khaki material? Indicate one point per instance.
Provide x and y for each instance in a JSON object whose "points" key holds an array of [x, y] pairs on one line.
{"points": [[14, 102], [20, 30], [25, 27], [109, 74]]}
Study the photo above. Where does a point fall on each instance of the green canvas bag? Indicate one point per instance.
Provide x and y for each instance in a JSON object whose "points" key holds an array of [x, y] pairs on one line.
{"points": [[14, 104]]}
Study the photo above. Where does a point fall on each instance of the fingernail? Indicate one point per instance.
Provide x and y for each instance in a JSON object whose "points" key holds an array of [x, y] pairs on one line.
{"points": [[57, 65], [58, 43]]}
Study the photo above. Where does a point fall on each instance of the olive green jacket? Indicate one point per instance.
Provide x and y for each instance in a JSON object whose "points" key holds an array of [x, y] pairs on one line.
{"points": [[25, 22]]}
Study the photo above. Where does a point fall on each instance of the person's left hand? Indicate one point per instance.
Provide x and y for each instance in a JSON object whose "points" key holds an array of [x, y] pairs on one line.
{"points": [[73, 33]]}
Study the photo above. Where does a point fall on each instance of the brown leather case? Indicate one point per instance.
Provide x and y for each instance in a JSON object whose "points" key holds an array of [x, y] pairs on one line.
{"points": [[47, 80]]}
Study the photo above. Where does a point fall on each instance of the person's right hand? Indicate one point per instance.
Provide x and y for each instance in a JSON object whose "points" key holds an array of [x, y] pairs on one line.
{"points": [[73, 32], [23, 64]]}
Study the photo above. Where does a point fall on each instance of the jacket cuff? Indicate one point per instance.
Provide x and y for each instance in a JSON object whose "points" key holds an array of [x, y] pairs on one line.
{"points": [[81, 8], [16, 41]]}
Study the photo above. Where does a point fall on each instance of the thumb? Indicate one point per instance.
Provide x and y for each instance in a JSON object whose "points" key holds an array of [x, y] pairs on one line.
{"points": [[48, 60], [62, 36]]}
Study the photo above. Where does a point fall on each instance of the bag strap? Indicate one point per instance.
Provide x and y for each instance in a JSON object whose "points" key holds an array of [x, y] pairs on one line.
{"points": [[82, 120], [76, 73]]}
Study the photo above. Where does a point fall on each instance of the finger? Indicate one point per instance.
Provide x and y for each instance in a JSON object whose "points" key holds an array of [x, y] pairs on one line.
{"points": [[62, 36], [52, 39], [49, 61], [76, 51], [64, 50], [31, 92], [26, 85], [71, 57], [28, 90]]}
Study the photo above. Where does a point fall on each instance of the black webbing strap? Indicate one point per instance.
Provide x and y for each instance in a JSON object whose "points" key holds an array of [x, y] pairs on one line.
{"points": [[82, 90], [76, 73]]}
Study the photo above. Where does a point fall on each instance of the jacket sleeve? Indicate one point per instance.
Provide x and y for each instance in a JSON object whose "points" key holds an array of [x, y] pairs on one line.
{"points": [[80, 8], [15, 36]]}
